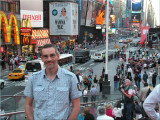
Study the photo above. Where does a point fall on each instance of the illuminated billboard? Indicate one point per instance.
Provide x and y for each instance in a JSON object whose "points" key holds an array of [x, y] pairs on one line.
{"points": [[113, 19], [100, 14], [136, 5], [7, 28], [63, 18], [136, 17]]}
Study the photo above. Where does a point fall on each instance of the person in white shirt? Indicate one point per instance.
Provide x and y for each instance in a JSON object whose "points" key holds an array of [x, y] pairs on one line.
{"points": [[150, 103], [85, 93], [102, 114]]}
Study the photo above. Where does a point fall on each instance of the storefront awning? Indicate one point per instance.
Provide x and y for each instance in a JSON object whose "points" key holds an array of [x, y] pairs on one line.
{"points": [[42, 42]]}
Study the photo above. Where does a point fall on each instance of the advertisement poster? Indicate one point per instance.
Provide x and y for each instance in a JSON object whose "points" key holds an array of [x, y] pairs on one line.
{"points": [[136, 5], [94, 13], [144, 32], [83, 14], [63, 18], [100, 14], [89, 14], [113, 19], [36, 17], [136, 17]]}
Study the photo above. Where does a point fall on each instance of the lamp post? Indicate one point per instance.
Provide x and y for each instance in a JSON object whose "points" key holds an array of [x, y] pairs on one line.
{"points": [[106, 84]]}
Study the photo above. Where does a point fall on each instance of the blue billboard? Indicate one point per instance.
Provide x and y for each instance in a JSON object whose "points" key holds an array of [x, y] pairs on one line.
{"points": [[136, 5]]}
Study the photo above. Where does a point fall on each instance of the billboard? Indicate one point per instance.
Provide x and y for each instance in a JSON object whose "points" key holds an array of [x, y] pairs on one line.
{"points": [[8, 27], [113, 18], [83, 14], [33, 10], [89, 14], [144, 32], [135, 25], [136, 5], [136, 17], [100, 14], [63, 18], [36, 17]]}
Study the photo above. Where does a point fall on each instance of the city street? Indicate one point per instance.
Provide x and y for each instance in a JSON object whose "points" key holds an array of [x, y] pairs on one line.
{"points": [[14, 88]]}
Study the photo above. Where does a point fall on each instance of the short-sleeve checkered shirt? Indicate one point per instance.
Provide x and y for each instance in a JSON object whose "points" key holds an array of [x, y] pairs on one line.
{"points": [[52, 97]]}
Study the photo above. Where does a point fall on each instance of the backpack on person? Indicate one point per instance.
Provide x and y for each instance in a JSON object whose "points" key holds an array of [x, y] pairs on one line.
{"points": [[149, 91]]}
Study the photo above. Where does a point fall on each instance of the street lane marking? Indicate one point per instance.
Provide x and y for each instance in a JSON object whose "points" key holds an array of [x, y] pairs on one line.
{"points": [[11, 97]]}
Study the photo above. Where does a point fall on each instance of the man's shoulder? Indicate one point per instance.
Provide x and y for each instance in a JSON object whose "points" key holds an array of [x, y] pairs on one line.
{"points": [[66, 72]]}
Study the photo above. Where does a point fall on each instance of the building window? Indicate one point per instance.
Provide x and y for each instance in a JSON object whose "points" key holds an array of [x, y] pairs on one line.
{"points": [[7, 6], [17, 7], [3, 6], [13, 7]]}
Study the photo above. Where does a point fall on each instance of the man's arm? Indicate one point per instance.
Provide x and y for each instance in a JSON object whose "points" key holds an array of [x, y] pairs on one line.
{"points": [[29, 108], [128, 95], [150, 102], [75, 109]]}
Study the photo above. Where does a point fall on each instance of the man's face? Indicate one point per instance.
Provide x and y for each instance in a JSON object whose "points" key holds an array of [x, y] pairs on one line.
{"points": [[127, 83], [50, 57]]}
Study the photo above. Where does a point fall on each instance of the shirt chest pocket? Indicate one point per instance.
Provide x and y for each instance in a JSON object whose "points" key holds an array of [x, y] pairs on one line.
{"points": [[40, 94], [62, 93]]}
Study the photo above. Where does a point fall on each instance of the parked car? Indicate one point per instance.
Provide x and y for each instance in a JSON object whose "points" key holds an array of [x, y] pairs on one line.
{"points": [[2, 83], [17, 74]]}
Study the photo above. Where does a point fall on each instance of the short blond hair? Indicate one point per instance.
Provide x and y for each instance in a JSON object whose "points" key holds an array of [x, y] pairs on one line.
{"points": [[108, 105]]}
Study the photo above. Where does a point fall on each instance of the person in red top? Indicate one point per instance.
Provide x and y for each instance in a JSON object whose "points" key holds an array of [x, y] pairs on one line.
{"points": [[109, 110]]}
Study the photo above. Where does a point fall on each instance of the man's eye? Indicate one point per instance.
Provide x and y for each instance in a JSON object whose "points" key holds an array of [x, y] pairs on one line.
{"points": [[52, 55]]}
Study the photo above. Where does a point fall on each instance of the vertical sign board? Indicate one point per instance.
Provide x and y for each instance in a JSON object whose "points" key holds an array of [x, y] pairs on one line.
{"points": [[63, 18]]}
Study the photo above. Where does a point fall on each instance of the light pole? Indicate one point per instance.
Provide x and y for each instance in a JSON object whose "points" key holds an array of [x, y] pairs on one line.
{"points": [[106, 84]]}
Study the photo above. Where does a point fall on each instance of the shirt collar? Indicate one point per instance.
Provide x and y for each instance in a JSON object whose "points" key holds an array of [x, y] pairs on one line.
{"points": [[58, 75]]}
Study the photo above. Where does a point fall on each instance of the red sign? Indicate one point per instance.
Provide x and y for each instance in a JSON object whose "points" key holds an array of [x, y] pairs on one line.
{"points": [[144, 32], [2, 49]]}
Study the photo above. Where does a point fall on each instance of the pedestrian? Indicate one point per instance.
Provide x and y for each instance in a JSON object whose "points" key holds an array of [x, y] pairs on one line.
{"points": [[100, 83], [95, 80], [128, 100], [117, 111], [85, 93], [88, 115], [150, 77], [154, 76], [150, 103], [116, 80], [145, 76], [109, 111], [93, 92], [52, 89], [102, 114], [103, 71]]}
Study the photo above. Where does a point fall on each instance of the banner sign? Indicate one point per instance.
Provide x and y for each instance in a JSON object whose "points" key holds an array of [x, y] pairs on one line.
{"points": [[42, 33], [8, 27], [63, 18], [42, 42], [144, 32], [36, 17]]}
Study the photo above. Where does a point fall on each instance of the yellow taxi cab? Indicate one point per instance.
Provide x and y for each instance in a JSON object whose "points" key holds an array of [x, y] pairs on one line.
{"points": [[17, 74]]}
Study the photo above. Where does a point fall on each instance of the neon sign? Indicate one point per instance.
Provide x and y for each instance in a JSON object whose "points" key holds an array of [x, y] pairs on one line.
{"points": [[7, 28]]}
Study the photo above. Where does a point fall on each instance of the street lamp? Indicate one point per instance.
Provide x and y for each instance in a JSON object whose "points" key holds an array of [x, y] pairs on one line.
{"points": [[106, 84]]}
